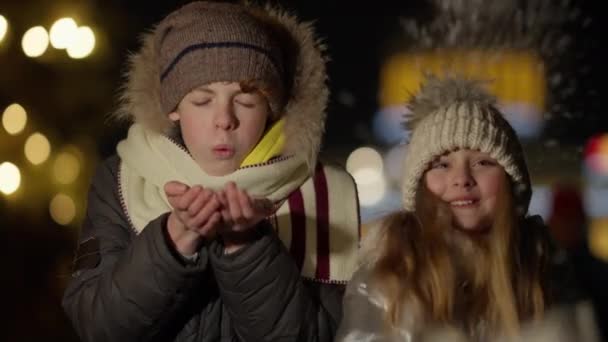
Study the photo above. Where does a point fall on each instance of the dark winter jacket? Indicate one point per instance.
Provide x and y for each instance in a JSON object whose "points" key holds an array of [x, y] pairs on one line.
{"points": [[129, 287]]}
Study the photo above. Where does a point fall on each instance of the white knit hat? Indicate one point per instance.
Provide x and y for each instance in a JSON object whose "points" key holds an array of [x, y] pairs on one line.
{"points": [[455, 113]]}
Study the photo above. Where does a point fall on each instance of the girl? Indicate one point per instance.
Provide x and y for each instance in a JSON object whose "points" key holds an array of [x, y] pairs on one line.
{"points": [[462, 258]]}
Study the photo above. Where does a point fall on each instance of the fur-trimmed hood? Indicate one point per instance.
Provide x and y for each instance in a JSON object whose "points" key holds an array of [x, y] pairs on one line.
{"points": [[304, 112]]}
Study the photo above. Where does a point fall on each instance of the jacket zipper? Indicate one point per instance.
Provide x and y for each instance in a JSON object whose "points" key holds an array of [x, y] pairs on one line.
{"points": [[122, 199]]}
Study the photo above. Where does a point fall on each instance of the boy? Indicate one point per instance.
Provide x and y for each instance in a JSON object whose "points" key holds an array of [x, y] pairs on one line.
{"points": [[215, 221]]}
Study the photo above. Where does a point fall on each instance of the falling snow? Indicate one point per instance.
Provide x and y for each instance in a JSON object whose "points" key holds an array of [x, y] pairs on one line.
{"points": [[543, 26]]}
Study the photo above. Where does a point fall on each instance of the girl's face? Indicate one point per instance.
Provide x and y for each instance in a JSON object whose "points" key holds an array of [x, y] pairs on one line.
{"points": [[469, 183], [221, 124]]}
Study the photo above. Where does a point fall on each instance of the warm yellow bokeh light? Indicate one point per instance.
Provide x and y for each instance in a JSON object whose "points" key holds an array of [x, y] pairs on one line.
{"points": [[35, 41], [10, 178], [3, 27], [598, 238], [66, 168], [62, 209], [63, 33], [83, 44], [14, 119], [37, 148]]}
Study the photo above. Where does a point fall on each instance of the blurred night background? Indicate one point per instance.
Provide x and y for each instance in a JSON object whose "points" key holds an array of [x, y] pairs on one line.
{"points": [[545, 59]]}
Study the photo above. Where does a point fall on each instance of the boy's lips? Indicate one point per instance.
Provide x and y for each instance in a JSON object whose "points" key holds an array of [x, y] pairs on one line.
{"points": [[223, 151]]}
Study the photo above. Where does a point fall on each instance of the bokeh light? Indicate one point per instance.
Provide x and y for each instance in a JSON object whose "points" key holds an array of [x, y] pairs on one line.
{"points": [[598, 238], [393, 163], [66, 168], [541, 201], [363, 157], [14, 119], [10, 178], [63, 33], [35, 41], [371, 186], [596, 154], [3, 27], [366, 166], [83, 44], [62, 209], [37, 148], [387, 124]]}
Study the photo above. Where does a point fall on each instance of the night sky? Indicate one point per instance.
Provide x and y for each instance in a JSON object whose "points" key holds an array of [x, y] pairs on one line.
{"points": [[358, 38]]}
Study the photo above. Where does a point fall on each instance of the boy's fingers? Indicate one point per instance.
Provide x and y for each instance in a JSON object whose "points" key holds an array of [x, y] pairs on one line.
{"points": [[174, 191], [199, 202], [173, 201], [245, 203], [221, 196], [175, 188], [209, 227], [234, 205], [225, 213], [188, 197], [211, 206], [181, 216]]}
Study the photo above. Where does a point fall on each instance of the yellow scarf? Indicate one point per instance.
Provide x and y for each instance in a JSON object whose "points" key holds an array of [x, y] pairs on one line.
{"points": [[271, 145]]}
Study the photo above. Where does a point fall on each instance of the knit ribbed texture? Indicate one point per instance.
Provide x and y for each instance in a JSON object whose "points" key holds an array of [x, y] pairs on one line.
{"points": [[465, 125], [206, 42]]}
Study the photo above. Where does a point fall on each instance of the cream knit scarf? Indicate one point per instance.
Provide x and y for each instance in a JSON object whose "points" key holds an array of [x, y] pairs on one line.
{"points": [[317, 219]]}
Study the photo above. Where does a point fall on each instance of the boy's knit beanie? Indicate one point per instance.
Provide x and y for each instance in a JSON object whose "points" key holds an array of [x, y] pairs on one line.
{"points": [[205, 42]]}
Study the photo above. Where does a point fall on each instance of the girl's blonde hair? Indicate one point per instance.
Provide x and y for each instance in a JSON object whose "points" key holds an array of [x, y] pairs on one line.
{"points": [[426, 266]]}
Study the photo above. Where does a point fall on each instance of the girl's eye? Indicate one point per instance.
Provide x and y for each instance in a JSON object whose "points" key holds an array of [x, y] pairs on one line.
{"points": [[439, 165], [486, 162]]}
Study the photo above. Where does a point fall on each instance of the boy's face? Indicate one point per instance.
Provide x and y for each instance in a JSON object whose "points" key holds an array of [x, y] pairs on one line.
{"points": [[221, 124]]}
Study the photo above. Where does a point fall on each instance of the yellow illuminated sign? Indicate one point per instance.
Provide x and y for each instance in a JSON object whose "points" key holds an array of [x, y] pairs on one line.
{"points": [[515, 76]]}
